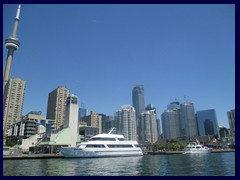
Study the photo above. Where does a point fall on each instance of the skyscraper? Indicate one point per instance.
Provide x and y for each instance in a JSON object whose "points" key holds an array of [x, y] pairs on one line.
{"points": [[56, 108], [13, 102], [12, 44], [126, 122], [171, 124], [148, 126], [171, 121], [207, 122], [231, 121], [138, 99], [188, 123], [179, 121]]}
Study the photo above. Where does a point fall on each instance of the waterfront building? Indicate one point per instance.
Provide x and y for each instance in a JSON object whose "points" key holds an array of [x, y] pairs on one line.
{"points": [[56, 108], [94, 120], [231, 121], [81, 113], [107, 123], [69, 135], [188, 123], [29, 126], [126, 122], [223, 132], [13, 102], [148, 126], [138, 99], [159, 131], [86, 132], [207, 122], [171, 121], [171, 124], [71, 119]]}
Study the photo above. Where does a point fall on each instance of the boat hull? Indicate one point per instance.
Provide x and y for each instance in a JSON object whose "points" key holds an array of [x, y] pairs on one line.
{"points": [[197, 151], [77, 152]]}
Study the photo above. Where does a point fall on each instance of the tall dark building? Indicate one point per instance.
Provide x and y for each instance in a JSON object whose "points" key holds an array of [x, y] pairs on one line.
{"points": [[188, 122], [138, 99], [231, 120], [207, 122]]}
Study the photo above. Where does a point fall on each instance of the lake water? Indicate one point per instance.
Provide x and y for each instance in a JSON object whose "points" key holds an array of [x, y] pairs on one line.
{"points": [[213, 164]]}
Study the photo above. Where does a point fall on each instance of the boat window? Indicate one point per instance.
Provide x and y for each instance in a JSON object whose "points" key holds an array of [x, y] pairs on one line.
{"points": [[119, 145], [136, 145], [95, 146], [103, 139], [120, 139]]}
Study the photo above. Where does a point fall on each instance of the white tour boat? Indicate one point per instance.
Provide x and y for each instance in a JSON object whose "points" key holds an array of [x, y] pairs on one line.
{"points": [[192, 148], [104, 145]]}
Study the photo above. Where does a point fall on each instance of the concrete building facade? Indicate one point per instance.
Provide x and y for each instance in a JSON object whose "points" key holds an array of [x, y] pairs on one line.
{"points": [[71, 120], [93, 120], [13, 102], [126, 122], [56, 108], [148, 127], [171, 124]]}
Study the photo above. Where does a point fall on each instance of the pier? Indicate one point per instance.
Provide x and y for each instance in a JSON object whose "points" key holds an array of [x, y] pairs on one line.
{"points": [[32, 156]]}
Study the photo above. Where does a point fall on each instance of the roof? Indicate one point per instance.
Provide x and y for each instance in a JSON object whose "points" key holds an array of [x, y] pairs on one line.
{"points": [[109, 136], [62, 138]]}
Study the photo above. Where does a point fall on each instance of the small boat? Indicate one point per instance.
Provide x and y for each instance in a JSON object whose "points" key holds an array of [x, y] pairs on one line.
{"points": [[196, 147], [104, 145]]}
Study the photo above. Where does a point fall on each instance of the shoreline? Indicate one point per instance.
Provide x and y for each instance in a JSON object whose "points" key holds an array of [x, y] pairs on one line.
{"points": [[45, 156], [180, 152]]}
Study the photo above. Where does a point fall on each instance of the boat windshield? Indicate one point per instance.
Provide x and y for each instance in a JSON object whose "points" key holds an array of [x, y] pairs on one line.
{"points": [[103, 139]]}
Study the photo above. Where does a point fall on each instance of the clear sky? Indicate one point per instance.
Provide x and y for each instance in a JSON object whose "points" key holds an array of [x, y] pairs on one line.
{"points": [[99, 52]]}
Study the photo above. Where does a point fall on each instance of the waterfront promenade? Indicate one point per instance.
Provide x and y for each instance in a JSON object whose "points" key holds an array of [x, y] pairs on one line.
{"points": [[42, 156], [33, 156]]}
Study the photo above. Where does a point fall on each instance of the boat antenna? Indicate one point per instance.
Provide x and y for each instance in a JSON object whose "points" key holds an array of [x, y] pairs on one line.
{"points": [[111, 130]]}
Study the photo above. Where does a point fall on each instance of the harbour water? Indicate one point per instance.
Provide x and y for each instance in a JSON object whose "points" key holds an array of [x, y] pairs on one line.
{"points": [[212, 164]]}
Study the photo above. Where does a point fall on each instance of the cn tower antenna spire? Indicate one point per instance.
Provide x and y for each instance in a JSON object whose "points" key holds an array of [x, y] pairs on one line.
{"points": [[14, 34], [12, 44], [18, 11]]}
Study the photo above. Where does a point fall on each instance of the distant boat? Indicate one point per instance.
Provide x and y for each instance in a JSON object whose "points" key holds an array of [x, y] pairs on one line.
{"points": [[104, 145], [196, 147]]}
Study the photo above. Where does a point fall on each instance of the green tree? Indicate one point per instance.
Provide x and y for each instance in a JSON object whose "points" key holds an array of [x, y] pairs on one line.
{"points": [[11, 143]]}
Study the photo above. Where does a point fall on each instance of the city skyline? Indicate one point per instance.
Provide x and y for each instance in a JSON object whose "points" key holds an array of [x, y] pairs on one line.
{"points": [[100, 52]]}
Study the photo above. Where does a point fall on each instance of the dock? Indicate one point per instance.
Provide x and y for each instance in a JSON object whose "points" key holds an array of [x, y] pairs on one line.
{"points": [[32, 156], [45, 156]]}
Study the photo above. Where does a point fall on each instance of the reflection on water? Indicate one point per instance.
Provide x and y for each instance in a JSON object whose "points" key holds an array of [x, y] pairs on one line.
{"points": [[213, 164]]}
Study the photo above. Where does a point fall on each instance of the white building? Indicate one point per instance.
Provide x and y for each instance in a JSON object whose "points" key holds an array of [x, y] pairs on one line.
{"points": [[148, 126], [126, 122]]}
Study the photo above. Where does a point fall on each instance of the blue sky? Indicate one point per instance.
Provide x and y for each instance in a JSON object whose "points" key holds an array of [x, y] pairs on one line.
{"points": [[99, 52]]}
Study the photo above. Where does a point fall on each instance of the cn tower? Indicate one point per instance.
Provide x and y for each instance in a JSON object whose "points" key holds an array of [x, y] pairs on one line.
{"points": [[12, 44]]}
